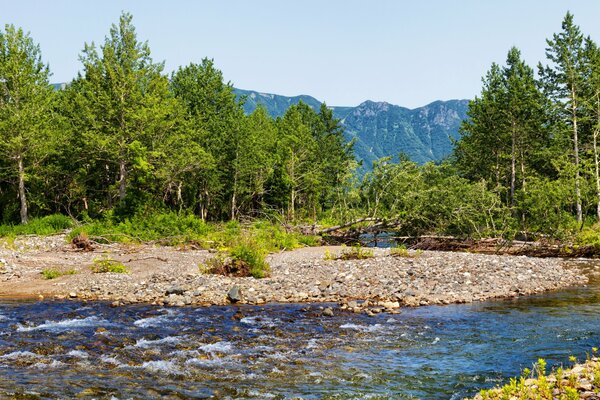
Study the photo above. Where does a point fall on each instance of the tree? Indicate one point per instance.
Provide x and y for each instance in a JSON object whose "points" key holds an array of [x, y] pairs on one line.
{"points": [[523, 110], [25, 96], [564, 80], [123, 111], [218, 119], [482, 146], [299, 171], [505, 133]]}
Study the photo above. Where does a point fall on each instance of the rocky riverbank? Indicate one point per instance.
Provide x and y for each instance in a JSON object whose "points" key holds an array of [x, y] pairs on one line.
{"points": [[171, 276], [580, 382]]}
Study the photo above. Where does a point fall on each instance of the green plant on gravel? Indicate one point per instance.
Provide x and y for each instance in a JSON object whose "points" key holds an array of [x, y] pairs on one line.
{"points": [[51, 273], [244, 259], [356, 253], [107, 264], [402, 251]]}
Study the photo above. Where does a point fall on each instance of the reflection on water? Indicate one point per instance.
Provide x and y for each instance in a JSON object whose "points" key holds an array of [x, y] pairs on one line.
{"points": [[66, 349]]}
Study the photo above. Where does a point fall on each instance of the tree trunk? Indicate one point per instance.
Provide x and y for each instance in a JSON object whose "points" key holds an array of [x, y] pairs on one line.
{"points": [[576, 151], [22, 195], [234, 194], [595, 143], [513, 166], [122, 180]]}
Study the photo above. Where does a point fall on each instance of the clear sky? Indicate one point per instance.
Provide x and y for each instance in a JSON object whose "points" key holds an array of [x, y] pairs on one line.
{"points": [[343, 52]]}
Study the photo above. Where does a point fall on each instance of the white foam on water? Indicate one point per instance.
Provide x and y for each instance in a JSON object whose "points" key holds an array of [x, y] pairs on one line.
{"points": [[218, 347], [110, 360], [78, 354], [211, 362], [437, 339], [154, 322], [276, 370], [278, 356], [66, 324], [15, 355], [259, 321], [3, 318], [363, 328], [144, 344], [53, 364], [162, 366], [184, 353], [261, 395], [312, 344]]}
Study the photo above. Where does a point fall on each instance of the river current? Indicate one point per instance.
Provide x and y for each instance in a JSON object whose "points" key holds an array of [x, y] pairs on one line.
{"points": [[52, 350]]}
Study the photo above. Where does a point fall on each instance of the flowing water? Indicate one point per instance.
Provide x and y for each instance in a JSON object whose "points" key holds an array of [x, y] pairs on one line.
{"points": [[69, 349]]}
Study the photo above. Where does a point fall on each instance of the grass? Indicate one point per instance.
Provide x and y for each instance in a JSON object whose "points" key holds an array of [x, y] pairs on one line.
{"points": [[106, 264], [402, 251], [48, 225], [51, 273], [562, 384], [173, 229], [356, 252]]}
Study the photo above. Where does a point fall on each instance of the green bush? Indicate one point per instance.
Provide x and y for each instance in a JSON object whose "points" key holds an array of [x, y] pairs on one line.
{"points": [[356, 253], [589, 236], [251, 256], [244, 259], [48, 225], [51, 273], [104, 265]]}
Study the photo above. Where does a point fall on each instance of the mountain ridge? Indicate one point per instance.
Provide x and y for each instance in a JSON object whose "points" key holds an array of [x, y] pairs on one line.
{"points": [[380, 128]]}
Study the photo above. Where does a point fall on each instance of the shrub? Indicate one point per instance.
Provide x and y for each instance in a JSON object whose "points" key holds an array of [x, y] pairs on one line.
{"points": [[402, 251], [103, 265], [244, 259], [356, 253], [51, 273], [47, 225]]}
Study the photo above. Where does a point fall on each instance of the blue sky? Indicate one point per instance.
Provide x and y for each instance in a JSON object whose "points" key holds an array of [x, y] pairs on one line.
{"points": [[340, 51]]}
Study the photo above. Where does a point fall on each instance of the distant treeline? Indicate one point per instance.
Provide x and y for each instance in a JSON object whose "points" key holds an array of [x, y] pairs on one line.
{"points": [[124, 139]]}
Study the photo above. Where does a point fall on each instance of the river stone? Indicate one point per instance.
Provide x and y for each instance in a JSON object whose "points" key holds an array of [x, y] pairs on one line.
{"points": [[328, 312], [175, 289], [234, 295]]}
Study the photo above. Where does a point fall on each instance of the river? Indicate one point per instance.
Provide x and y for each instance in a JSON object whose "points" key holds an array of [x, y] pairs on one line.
{"points": [[65, 349]]}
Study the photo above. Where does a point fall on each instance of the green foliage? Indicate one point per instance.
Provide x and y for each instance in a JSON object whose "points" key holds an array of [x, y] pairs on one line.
{"points": [[356, 252], [139, 157], [589, 236], [47, 225], [544, 386], [244, 259], [251, 256], [51, 273], [25, 118], [166, 228], [402, 251], [107, 264]]}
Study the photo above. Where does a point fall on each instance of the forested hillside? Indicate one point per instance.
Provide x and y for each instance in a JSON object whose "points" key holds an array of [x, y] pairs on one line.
{"points": [[125, 140]]}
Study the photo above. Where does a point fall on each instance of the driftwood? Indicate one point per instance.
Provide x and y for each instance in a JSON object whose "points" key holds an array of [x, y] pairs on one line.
{"points": [[543, 247], [346, 225]]}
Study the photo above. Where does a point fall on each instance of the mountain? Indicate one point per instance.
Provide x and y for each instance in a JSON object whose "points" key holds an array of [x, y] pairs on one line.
{"points": [[381, 129], [275, 104]]}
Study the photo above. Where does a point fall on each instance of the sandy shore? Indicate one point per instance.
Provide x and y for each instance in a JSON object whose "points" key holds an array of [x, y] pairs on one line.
{"points": [[171, 276]]}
